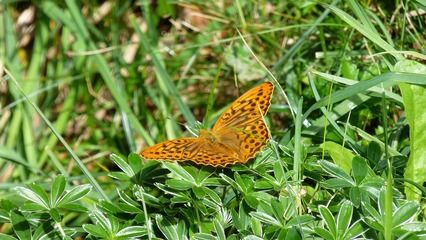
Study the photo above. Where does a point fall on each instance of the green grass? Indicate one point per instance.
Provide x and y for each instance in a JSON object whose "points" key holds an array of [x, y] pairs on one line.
{"points": [[347, 154]]}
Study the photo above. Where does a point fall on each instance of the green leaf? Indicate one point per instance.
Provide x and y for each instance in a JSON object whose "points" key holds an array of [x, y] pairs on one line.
{"points": [[341, 156], [204, 236], [74, 194], [373, 217], [336, 183], [132, 231], [278, 209], [54, 213], [244, 182], [241, 219], [122, 164], [279, 171], [355, 195], [96, 231], [374, 152], [349, 69], [231, 182], [344, 217], [180, 172], [57, 189], [119, 176], [359, 169], [256, 227], [199, 192], [75, 207], [213, 195], [135, 161], [129, 205], [220, 232], [293, 234], [4, 216], [404, 213], [414, 98], [21, 227], [297, 221], [6, 237], [265, 218], [179, 184], [32, 196], [414, 227], [329, 220], [385, 80], [337, 172], [354, 231], [323, 233], [9, 154], [168, 228]]}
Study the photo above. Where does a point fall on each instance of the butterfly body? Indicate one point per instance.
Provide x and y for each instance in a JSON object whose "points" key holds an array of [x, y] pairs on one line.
{"points": [[237, 136]]}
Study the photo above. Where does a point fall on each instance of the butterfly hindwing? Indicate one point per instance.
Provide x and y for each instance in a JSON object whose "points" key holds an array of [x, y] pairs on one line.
{"points": [[198, 150], [254, 136], [176, 149]]}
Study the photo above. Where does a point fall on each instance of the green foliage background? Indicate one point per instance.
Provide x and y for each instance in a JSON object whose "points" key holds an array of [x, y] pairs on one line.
{"points": [[86, 85]]}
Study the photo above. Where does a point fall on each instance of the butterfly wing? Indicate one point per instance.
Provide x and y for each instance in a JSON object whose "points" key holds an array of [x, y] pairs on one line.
{"points": [[241, 127], [238, 135], [198, 150], [249, 107]]}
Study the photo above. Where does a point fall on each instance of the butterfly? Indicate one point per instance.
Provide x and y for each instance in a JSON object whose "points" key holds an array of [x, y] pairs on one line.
{"points": [[237, 136]]}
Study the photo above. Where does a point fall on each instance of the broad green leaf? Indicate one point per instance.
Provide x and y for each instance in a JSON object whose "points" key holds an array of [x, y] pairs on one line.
{"points": [[374, 152], [179, 171], [74, 194], [101, 220], [168, 228], [359, 169], [231, 182], [122, 164], [344, 217], [323, 233], [20, 224], [340, 155], [220, 232], [32, 196], [132, 231], [56, 216], [37, 189], [256, 226], [179, 184], [57, 189], [6, 237], [297, 221], [328, 219], [337, 172], [336, 183], [96, 231], [354, 231], [404, 213], [265, 218], [414, 98]]}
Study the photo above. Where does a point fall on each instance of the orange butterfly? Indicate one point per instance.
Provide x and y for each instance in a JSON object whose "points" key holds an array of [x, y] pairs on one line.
{"points": [[238, 135]]}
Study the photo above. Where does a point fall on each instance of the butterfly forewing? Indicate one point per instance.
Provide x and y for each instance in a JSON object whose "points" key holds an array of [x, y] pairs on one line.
{"points": [[251, 106]]}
